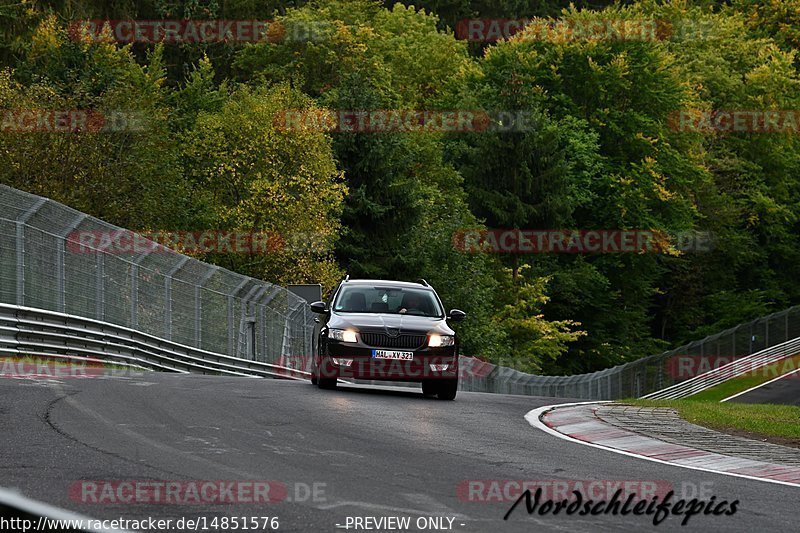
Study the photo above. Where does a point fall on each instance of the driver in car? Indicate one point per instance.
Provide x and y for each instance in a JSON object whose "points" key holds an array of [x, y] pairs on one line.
{"points": [[412, 304]]}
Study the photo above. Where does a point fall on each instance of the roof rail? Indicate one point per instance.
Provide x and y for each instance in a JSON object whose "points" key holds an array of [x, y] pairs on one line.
{"points": [[423, 282]]}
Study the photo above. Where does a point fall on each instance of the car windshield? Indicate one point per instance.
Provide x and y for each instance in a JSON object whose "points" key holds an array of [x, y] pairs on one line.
{"points": [[392, 300]]}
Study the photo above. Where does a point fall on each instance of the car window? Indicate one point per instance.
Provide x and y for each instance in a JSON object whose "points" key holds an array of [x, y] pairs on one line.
{"points": [[391, 300]]}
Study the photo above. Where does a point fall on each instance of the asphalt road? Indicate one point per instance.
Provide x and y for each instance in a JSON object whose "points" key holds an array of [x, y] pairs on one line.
{"points": [[783, 391], [370, 452]]}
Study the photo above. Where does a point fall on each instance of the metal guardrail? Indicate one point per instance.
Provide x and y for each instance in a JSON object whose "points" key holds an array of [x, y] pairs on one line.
{"points": [[26, 331], [731, 370]]}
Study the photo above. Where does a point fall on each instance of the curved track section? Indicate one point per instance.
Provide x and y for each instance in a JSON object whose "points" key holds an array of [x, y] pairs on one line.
{"points": [[354, 452]]}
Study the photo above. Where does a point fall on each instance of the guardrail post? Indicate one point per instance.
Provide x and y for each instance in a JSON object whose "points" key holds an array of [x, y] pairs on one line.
{"points": [[286, 332], [254, 302], [198, 305], [134, 294], [231, 318], [61, 272], [248, 302], [309, 327], [787, 325], [168, 296], [263, 323], [230, 324], [286, 345], [135, 289], [20, 248], [20, 245], [100, 293], [644, 378], [250, 352]]}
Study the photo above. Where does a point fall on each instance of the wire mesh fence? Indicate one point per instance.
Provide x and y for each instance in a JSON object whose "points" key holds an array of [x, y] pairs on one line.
{"points": [[179, 298], [159, 292], [646, 375]]}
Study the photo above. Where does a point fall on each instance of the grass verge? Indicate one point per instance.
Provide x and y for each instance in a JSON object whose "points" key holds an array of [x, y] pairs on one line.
{"points": [[776, 423]]}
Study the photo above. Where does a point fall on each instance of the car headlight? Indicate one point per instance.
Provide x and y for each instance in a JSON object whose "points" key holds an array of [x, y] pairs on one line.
{"points": [[435, 340], [344, 335]]}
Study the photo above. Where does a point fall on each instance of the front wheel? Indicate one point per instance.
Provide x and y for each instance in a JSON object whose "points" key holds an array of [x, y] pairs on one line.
{"points": [[448, 389], [429, 388], [326, 383]]}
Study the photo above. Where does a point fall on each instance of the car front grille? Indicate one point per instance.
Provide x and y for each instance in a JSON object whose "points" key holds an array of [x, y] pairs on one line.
{"points": [[382, 340]]}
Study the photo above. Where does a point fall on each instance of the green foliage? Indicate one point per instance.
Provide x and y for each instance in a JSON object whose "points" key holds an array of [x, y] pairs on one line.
{"points": [[778, 19], [254, 177], [405, 201], [130, 177], [534, 340], [750, 200]]}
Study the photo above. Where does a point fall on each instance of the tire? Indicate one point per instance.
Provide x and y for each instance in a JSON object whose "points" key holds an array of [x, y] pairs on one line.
{"points": [[326, 383], [448, 389], [314, 372], [430, 388]]}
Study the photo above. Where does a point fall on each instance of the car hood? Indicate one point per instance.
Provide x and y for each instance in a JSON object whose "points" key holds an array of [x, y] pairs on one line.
{"points": [[379, 322]]}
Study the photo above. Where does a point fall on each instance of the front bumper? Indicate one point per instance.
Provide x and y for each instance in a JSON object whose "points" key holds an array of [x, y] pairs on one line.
{"points": [[427, 363]]}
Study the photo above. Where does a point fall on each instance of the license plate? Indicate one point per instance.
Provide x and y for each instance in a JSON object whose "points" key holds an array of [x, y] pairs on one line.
{"points": [[388, 354]]}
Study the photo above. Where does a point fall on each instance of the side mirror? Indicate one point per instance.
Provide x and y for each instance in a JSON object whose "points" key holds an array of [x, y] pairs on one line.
{"points": [[318, 307], [456, 315]]}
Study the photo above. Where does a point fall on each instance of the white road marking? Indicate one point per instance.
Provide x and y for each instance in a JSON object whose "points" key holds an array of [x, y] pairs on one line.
{"points": [[378, 507], [435, 506], [759, 386], [16, 500]]}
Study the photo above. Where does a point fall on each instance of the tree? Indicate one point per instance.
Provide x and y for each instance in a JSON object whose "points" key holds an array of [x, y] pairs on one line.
{"points": [[404, 202], [126, 169], [749, 202], [254, 177], [535, 342]]}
